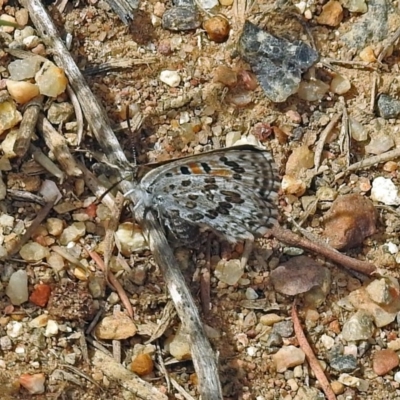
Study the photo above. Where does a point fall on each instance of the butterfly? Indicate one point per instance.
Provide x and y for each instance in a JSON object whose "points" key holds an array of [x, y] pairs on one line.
{"points": [[231, 191]]}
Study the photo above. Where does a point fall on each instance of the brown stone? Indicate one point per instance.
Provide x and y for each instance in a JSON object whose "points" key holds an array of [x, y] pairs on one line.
{"points": [[350, 220], [332, 14], [142, 364], [116, 327], [384, 361]]}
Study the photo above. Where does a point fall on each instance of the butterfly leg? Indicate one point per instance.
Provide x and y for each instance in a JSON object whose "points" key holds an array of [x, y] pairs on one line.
{"points": [[248, 247]]}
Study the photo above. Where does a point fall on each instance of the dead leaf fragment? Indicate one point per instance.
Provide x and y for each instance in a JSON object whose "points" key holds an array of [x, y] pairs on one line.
{"points": [[297, 275]]}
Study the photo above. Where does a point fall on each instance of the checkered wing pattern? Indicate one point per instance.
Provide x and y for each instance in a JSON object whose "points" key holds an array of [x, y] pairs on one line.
{"points": [[231, 191]]}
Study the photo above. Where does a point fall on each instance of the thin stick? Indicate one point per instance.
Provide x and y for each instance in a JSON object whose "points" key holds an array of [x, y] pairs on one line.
{"points": [[371, 161], [27, 126], [58, 145], [314, 364], [114, 282], [292, 239], [374, 86], [46, 163], [78, 114], [322, 139], [41, 215], [127, 379]]}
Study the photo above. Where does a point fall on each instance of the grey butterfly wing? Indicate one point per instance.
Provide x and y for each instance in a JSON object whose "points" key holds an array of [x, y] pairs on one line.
{"points": [[232, 191]]}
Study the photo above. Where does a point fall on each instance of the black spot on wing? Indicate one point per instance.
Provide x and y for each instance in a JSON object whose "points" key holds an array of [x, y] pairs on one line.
{"points": [[206, 167], [191, 204], [212, 214], [185, 170], [195, 217], [186, 183]]}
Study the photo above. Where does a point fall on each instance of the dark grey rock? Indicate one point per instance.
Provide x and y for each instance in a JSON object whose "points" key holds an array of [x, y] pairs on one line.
{"points": [[372, 27], [277, 62], [181, 18], [274, 340], [347, 363], [388, 106], [363, 348], [284, 328]]}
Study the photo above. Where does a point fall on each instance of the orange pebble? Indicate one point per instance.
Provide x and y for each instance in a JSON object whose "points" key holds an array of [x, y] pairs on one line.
{"points": [[40, 295]]}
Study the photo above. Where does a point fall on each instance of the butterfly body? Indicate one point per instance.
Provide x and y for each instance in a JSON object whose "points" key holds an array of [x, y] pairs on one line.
{"points": [[229, 191]]}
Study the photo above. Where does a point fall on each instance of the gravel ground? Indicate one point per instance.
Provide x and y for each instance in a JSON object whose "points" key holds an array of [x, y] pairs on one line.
{"points": [[209, 100]]}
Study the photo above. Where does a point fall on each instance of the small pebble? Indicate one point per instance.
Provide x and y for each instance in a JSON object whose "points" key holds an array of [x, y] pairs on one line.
{"points": [[7, 18], [51, 80], [388, 106], [33, 252], [332, 14], [357, 130], [288, 357], [40, 295], [14, 329], [384, 361], [385, 191], [380, 291], [284, 328], [327, 341], [34, 384], [181, 18], [51, 328], [22, 91], [54, 226], [359, 327], [340, 84], [179, 346], [225, 75], [251, 294], [350, 220], [229, 272], [217, 28], [115, 327], [73, 233], [270, 319], [337, 387], [170, 78], [367, 54], [232, 137], [380, 144], [142, 364], [17, 289], [345, 363], [40, 321]]}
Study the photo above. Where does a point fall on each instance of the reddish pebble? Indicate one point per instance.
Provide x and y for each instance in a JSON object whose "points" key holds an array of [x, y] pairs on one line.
{"points": [[142, 364], [91, 210], [384, 361], [40, 295], [248, 80], [34, 384]]}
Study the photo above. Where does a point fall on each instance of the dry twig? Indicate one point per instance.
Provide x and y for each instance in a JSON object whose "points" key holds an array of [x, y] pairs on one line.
{"points": [[46, 163], [322, 139], [371, 161], [113, 281], [314, 364], [58, 145], [286, 236], [27, 126], [41, 215], [116, 372]]}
